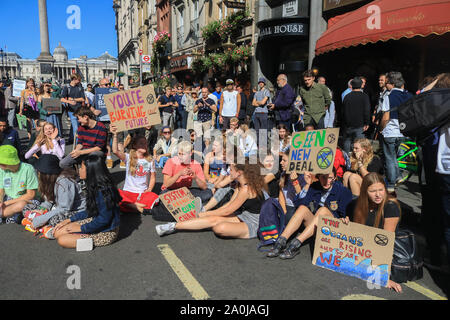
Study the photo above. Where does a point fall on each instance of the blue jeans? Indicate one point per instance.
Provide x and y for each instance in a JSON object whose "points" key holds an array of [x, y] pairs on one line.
{"points": [[162, 161], [350, 135], [74, 125], [390, 147]]}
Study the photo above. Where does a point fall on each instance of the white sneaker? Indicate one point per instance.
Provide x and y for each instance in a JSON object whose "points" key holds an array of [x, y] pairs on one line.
{"points": [[164, 229]]}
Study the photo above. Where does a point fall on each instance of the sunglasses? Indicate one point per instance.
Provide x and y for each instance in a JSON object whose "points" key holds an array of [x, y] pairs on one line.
{"points": [[166, 132]]}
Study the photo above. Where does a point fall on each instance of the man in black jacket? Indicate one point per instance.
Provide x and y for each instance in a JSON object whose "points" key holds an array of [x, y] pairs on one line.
{"points": [[355, 114]]}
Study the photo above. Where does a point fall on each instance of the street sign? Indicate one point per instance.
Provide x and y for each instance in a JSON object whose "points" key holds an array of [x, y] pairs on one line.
{"points": [[146, 58], [235, 4]]}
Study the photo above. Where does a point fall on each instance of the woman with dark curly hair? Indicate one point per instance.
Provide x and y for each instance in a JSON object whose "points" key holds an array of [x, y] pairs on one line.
{"points": [[239, 218]]}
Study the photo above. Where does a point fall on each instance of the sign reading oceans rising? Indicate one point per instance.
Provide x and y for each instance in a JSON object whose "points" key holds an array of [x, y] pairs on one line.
{"points": [[134, 108], [313, 151], [354, 249]]}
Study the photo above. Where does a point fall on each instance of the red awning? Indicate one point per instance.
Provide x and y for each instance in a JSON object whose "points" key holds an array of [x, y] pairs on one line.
{"points": [[383, 20]]}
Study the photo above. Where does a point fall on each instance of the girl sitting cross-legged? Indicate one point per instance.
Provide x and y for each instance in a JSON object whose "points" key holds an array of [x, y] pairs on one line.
{"points": [[239, 218]]}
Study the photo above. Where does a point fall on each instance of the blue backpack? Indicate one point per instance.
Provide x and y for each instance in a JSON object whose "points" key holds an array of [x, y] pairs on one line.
{"points": [[271, 222]]}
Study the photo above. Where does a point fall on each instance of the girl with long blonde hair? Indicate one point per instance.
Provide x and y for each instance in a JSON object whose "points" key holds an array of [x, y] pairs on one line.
{"points": [[140, 177], [376, 208], [363, 160]]}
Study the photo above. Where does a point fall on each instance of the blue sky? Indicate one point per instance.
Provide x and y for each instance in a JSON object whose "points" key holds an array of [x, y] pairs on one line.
{"points": [[19, 20]]}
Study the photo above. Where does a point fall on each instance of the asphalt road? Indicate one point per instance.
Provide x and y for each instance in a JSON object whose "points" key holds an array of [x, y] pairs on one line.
{"points": [[183, 266]]}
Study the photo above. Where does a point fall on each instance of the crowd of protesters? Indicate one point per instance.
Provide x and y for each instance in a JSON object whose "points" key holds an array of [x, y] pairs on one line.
{"points": [[229, 149]]}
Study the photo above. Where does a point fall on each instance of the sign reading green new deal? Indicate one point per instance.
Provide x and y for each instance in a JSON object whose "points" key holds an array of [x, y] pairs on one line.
{"points": [[313, 151]]}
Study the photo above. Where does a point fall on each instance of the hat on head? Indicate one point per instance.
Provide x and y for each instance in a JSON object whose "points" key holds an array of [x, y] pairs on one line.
{"points": [[229, 81], [8, 155], [48, 164], [262, 79]]}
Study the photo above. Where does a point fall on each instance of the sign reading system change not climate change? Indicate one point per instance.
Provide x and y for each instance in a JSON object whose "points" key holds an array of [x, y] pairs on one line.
{"points": [[313, 151], [133, 109], [181, 204]]}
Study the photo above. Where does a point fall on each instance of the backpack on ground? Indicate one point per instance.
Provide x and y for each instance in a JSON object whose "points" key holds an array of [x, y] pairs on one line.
{"points": [[271, 222], [407, 264], [424, 112]]}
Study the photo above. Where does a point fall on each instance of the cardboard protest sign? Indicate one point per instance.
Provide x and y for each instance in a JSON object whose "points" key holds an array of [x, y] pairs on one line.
{"points": [[18, 86], [354, 249], [52, 105], [100, 102], [133, 109], [313, 151], [181, 204]]}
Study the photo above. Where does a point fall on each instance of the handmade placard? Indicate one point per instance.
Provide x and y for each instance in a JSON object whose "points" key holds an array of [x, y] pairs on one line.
{"points": [[354, 249], [52, 105], [181, 204], [133, 109], [313, 151]]}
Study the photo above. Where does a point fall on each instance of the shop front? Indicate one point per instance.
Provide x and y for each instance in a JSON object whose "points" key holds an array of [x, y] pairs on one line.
{"points": [[283, 48], [181, 69], [409, 36]]}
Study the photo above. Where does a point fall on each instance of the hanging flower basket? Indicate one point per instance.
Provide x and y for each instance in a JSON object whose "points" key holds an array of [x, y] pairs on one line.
{"points": [[160, 41]]}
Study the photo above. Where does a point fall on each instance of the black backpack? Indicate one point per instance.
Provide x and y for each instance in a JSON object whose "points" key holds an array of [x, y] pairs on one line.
{"points": [[424, 112], [407, 264]]}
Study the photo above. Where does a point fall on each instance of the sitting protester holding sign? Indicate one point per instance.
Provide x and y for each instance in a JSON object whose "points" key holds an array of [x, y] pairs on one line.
{"points": [[327, 197], [375, 208], [239, 218], [101, 219], [140, 177]]}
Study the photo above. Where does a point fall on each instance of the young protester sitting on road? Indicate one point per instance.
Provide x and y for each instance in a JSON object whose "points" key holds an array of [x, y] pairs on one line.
{"points": [[284, 139], [47, 142], [101, 219], [376, 208], [272, 175], [91, 138], [165, 148], [363, 161], [34, 134], [239, 218], [61, 195], [18, 184], [247, 141], [10, 136], [291, 184], [327, 197], [224, 186], [214, 162], [140, 176], [181, 170]]}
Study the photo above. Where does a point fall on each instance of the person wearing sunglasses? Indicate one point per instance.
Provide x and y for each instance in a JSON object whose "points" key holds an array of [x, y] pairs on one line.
{"points": [[165, 148], [324, 198]]}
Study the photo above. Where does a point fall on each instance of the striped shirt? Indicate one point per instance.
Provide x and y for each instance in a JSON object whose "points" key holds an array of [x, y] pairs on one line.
{"points": [[95, 137]]}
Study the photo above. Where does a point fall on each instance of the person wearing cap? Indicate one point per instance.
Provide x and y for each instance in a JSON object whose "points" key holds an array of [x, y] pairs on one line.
{"points": [[230, 103], [18, 184], [62, 195], [260, 102]]}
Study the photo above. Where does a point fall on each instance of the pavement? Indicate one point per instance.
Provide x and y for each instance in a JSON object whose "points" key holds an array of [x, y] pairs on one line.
{"points": [[191, 266]]}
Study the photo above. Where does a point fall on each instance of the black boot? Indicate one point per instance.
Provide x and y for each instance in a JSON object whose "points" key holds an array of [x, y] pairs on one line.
{"points": [[292, 250], [278, 246]]}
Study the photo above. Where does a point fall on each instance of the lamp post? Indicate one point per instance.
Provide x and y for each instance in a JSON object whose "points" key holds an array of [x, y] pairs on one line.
{"points": [[3, 66]]}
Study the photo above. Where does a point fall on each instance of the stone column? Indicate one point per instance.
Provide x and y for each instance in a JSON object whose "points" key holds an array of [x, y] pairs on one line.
{"points": [[43, 27], [317, 26]]}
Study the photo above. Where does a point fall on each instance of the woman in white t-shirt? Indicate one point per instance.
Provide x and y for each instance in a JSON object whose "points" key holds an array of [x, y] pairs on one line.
{"points": [[140, 175]]}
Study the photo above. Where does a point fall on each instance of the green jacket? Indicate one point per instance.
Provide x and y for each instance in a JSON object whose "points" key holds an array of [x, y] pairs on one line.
{"points": [[315, 101]]}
